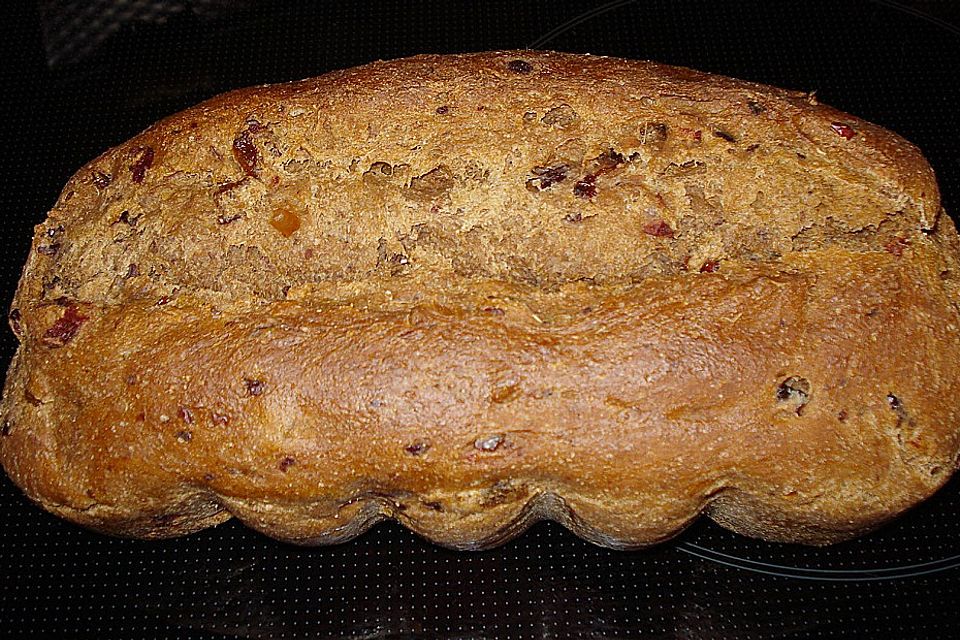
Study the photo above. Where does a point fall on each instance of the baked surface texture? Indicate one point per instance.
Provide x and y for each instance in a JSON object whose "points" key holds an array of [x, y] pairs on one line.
{"points": [[471, 292]]}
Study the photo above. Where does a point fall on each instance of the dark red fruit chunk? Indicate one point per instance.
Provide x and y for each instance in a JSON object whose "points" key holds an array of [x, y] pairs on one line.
{"points": [[442, 109], [843, 130], [101, 179], [710, 266], [254, 387], [586, 187], [139, 168], [546, 177], [186, 415], [245, 153], [417, 448], [286, 462], [659, 229], [65, 329]]}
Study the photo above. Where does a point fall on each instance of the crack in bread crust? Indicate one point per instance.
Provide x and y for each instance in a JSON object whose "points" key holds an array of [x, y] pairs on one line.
{"points": [[613, 294]]}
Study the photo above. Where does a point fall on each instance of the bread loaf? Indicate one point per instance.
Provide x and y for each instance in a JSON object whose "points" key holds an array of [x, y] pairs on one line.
{"points": [[472, 292]]}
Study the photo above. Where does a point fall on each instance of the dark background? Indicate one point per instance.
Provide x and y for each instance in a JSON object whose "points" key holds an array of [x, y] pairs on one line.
{"points": [[82, 76]]}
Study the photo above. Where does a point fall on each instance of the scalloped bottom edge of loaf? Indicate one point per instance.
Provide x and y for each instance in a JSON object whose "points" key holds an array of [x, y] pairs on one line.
{"points": [[732, 509]]}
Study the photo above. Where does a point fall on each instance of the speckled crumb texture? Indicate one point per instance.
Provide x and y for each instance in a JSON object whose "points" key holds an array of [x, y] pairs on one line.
{"points": [[471, 292]]}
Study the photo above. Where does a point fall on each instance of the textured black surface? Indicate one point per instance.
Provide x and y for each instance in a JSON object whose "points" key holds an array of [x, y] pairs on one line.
{"points": [[879, 60]]}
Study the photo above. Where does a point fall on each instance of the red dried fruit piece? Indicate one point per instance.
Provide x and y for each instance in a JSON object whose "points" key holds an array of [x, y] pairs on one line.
{"points": [[186, 414], [254, 387], [219, 418], [286, 462], [586, 187], [710, 266], [658, 228], [417, 448], [65, 329], [245, 152], [694, 134], [101, 180], [897, 246], [843, 130], [132, 271], [494, 311], [442, 109], [519, 66], [606, 162], [139, 168], [546, 177], [285, 221], [184, 436], [49, 249]]}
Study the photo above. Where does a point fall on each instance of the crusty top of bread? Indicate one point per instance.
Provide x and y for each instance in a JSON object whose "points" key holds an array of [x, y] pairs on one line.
{"points": [[471, 291], [467, 167]]}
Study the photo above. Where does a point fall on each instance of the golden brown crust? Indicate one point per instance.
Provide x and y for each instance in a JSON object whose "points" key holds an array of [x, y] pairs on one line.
{"points": [[470, 292]]}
